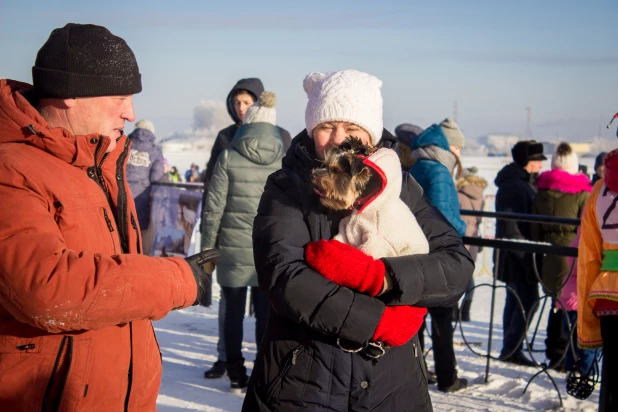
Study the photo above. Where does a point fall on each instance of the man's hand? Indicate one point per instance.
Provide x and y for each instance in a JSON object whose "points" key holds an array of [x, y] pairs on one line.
{"points": [[203, 279], [346, 266]]}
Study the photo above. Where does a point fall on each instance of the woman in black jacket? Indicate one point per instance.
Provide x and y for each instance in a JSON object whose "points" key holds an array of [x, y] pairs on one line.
{"points": [[314, 355]]}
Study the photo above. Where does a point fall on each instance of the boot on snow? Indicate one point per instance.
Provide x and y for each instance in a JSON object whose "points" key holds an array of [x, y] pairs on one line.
{"points": [[237, 373]]}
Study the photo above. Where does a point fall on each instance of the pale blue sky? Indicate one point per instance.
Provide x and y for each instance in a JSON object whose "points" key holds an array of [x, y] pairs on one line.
{"points": [[493, 57]]}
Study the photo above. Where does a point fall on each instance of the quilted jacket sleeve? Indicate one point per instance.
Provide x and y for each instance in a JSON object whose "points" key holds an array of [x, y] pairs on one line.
{"points": [[296, 291], [215, 202], [439, 278]]}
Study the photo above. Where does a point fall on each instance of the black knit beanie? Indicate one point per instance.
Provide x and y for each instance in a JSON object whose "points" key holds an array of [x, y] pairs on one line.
{"points": [[85, 60]]}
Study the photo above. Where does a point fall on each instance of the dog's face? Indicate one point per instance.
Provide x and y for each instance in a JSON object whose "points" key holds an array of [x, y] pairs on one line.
{"points": [[343, 177]]}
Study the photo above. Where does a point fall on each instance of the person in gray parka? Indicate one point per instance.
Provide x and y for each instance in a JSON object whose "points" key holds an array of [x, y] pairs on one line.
{"points": [[236, 186], [145, 166]]}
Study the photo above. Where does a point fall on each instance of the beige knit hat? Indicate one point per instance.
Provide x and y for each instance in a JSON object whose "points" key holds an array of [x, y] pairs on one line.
{"points": [[262, 111], [565, 159], [145, 124], [453, 133]]}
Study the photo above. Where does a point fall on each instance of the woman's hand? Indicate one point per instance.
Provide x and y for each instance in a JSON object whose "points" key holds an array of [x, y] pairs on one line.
{"points": [[399, 324], [346, 266]]}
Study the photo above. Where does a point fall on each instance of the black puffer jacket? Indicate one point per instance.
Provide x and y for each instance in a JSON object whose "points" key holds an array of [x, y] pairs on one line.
{"points": [[299, 366], [516, 192]]}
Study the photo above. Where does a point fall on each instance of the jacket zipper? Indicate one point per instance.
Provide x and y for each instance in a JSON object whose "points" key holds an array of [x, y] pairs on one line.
{"points": [[121, 210], [64, 357], [130, 372], [137, 234], [95, 173], [288, 364], [110, 227]]}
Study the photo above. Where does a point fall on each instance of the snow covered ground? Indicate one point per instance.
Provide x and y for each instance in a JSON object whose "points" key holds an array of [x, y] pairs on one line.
{"points": [[188, 341]]}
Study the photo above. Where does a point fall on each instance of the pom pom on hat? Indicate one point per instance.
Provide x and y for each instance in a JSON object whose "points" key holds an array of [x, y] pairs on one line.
{"points": [[262, 111], [565, 159], [145, 124], [344, 96]]}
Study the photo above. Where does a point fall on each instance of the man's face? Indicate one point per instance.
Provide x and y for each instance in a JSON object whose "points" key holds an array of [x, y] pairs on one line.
{"points": [[103, 115], [601, 171], [242, 101], [534, 166], [330, 134]]}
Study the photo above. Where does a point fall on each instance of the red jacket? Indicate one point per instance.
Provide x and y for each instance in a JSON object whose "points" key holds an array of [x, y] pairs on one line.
{"points": [[76, 295]]}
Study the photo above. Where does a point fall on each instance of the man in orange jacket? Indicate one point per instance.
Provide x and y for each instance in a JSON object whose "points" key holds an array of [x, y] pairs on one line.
{"points": [[76, 295]]}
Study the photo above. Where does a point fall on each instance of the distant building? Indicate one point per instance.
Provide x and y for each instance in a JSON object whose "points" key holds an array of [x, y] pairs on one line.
{"points": [[498, 144]]}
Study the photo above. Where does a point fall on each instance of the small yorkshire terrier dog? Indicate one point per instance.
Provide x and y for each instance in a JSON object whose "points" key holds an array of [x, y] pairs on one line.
{"points": [[344, 178]]}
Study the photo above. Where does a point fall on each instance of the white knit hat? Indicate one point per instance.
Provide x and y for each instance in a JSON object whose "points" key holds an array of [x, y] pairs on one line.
{"points": [[263, 110], [344, 96], [145, 124], [565, 159], [453, 133]]}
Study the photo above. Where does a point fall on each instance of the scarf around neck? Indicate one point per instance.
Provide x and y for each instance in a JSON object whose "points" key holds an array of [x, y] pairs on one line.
{"points": [[445, 157]]}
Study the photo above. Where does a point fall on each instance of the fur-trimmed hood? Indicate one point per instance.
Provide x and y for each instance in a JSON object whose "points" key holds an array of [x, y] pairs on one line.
{"points": [[563, 182]]}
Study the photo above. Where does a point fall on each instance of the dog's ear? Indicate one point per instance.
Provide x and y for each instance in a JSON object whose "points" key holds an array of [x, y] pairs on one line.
{"points": [[358, 168]]}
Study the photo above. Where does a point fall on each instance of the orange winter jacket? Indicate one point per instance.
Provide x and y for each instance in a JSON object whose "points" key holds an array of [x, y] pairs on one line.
{"points": [[76, 295], [592, 282]]}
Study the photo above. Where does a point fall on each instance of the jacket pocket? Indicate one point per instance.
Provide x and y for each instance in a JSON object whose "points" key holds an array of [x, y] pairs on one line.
{"points": [[110, 227], [137, 234], [418, 354], [58, 378], [289, 363]]}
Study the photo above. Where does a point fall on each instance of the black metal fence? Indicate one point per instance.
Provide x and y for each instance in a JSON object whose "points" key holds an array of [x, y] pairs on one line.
{"points": [[501, 245]]}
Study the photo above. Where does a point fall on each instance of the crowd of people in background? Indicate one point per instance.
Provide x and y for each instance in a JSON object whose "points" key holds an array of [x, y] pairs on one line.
{"points": [[77, 290]]}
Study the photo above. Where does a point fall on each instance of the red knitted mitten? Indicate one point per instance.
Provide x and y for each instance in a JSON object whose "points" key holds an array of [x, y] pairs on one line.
{"points": [[399, 324], [346, 266]]}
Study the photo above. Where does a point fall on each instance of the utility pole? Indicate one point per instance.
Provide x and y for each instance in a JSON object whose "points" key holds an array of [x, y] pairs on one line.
{"points": [[455, 111], [528, 122]]}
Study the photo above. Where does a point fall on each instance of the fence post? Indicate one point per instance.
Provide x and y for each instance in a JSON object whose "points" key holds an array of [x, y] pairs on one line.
{"points": [[491, 314]]}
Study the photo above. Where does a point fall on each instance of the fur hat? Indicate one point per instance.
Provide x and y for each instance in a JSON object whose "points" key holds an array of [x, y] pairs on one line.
{"points": [[565, 159], [263, 110], [344, 96], [526, 151], [453, 133], [145, 124], [85, 60]]}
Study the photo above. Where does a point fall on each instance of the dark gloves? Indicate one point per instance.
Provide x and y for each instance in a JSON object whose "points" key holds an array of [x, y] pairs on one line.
{"points": [[202, 277], [346, 266]]}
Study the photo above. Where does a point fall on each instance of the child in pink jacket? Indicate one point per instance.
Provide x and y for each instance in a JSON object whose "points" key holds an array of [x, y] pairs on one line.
{"points": [[568, 302]]}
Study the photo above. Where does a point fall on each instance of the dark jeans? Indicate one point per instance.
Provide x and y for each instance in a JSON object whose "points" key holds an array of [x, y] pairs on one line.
{"points": [[586, 357], [557, 335], [221, 342], [513, 323], [235, 304], [608, 400], [443, 352]]}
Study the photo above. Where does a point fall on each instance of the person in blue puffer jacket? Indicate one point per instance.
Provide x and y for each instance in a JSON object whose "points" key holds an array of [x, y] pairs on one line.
{"points": [[435, 154]]}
